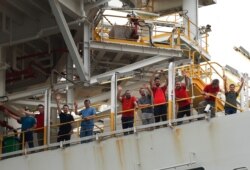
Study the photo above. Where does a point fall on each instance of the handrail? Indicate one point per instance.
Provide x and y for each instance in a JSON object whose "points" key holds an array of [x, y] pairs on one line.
{"points": [[107, 115], [217, 98], [206, 60], [175, 31]]}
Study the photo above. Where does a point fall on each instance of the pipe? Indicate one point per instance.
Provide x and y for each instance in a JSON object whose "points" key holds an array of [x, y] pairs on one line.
{"points": [[171, 92], [62, 50], [107, 62], [40, 34], [61, 75], [17, 75], [113, 113]]}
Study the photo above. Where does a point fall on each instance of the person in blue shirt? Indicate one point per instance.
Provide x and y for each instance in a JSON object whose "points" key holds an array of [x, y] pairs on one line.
{"points": [[88, 115], [28, 123]]}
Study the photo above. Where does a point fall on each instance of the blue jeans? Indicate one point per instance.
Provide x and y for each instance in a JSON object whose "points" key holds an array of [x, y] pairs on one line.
{"points": [[28, 137], [86, 131], [230, 110]]}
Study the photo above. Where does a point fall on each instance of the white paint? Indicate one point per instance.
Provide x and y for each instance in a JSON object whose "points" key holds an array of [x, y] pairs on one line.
{"points": [[220, 144]]}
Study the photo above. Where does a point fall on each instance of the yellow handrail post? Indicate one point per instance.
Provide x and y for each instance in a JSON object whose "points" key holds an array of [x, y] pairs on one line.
{"points": [[77, 130], [45, 135], [112, 121], [170, 40], [23, 143], [169, 112], [179, 36], [135, 114]]}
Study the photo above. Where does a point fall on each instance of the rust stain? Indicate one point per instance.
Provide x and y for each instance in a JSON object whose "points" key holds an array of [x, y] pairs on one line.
{"points": [[177, 132], [101, 157], [178, 143], [120, 149]]}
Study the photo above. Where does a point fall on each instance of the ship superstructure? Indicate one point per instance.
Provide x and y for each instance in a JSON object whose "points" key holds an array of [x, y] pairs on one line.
{"points": [[84, 49]]}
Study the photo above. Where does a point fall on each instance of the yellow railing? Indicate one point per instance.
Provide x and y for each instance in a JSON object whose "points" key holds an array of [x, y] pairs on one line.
{"points": [[169, 115], [102, 33]]}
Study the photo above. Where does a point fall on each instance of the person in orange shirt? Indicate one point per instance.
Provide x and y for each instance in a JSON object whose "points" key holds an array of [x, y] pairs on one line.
{"points": [[159, 96], [183, 100], [128, 104], [209, 92]]}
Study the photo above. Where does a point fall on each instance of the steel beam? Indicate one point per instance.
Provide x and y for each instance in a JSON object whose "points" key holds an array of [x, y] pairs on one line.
{"points": [[93, 99], [69, 75], [15, 16], [72, 8], [2, 72], [135, 49], [32, 103], [40, 90], [94, 5], [57, 11], [24, 9], [118, 56], [196, 47], [113, 102], [192, 7], [86, 49], [171, 92], [40, 6], [132, 67]]}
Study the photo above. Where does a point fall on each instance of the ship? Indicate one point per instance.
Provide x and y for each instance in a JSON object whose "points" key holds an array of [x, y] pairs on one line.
{"points": [[84, 49]]}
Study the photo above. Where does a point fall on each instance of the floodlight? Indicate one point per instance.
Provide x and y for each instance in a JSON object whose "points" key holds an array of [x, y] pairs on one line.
{"points": [[243, 51]]}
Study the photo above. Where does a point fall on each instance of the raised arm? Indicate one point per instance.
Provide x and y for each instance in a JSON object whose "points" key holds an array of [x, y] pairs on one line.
{"points": [[145, 86], [11, 115], [165, 77], [151, 81], [119, 97], [8, 113], [58, 98], [135, 104], [186, 78], [76, 108], [29, 112], [241, 85]]}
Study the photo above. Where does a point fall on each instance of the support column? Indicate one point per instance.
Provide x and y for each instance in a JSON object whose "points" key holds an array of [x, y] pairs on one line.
{"points": [[61, 21], [47, 103], [86, 50], [2, 72], [171, 92], [69, 76], [113, 114], [2, 82], [190, 8], [244, 94]]}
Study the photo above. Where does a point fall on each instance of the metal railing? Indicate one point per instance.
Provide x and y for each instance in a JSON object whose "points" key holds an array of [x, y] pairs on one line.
{"points": [[17, 146]]}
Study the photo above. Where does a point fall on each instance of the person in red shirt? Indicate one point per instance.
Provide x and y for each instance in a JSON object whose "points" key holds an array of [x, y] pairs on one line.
{"points": [[183, 105], [210, 89], [128, 103], [159, 96], [40, 124]]}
